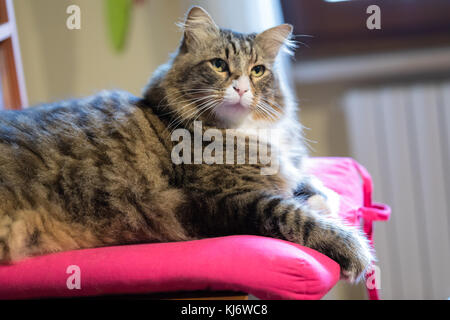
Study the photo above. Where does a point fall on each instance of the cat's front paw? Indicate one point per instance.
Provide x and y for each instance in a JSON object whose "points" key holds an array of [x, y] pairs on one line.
{"points": [[354, 255]]}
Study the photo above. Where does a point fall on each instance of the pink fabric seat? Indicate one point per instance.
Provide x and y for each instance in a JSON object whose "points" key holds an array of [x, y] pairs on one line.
{"points": [[265, 267]]}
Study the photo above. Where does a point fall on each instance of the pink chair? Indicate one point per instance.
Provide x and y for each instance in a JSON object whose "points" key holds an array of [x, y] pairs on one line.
{"points": [[265, 267]]}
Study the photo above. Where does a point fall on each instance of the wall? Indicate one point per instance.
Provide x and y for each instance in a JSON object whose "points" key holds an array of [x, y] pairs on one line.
{"points": [[61, 63]]}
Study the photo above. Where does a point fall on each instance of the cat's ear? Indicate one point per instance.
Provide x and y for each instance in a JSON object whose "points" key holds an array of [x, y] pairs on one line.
{"points": [[273, 39], [198, 27]]}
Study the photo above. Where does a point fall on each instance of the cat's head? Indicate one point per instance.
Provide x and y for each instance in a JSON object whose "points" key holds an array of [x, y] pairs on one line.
{"points": [[222, 77]]}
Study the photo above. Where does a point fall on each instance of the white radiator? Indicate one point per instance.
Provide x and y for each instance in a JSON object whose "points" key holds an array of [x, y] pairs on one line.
{"points": [[401, 134]]}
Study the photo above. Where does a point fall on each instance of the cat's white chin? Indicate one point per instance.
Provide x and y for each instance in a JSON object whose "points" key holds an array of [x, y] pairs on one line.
{"points": [[231, 113]]}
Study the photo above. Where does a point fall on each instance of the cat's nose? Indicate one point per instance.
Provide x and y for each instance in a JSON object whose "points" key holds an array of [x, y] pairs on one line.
{"points": [[241, 85], [240, 91]]}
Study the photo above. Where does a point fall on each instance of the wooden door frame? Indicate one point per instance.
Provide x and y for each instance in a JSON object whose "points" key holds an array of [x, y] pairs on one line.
{"points": [[13, 81]]}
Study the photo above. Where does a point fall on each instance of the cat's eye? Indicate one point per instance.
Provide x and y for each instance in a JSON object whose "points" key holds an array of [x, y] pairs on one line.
{"points": [[258, 71], [219, 65]]}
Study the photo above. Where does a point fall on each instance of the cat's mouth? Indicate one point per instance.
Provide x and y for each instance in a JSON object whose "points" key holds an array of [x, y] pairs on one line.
{"points": [[235, 107], [231, 112]]}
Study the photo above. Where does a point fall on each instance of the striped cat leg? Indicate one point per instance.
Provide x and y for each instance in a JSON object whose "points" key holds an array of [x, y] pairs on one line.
{"points": [[292, 220]]}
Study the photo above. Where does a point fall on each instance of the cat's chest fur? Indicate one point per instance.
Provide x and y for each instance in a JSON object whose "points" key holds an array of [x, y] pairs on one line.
{"points": [[288, 151]]}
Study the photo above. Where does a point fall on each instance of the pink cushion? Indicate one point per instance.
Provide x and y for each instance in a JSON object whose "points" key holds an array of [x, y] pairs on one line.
{"points": [[267, 268]]}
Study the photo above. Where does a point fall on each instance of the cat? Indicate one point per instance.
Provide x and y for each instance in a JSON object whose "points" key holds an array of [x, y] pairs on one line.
{"points": [[98, 171]]}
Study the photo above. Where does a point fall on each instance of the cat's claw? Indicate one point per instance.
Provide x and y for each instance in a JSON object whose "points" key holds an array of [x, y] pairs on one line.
{"points": [[357, 258]]}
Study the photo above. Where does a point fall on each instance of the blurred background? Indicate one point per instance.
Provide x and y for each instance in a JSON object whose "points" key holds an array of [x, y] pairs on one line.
{"points": [[381, 96]]}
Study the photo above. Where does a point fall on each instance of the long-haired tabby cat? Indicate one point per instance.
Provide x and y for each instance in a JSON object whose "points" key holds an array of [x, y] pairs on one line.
{"points": [[98, 171]]}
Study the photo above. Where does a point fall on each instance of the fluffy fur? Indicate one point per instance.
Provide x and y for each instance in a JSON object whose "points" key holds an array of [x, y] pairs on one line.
{"points": [[98, 171]]}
